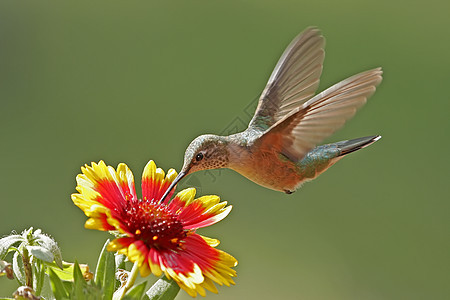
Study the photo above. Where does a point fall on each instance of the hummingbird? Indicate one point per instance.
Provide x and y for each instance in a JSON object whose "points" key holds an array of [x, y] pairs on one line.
{"points": [[279, 148]]}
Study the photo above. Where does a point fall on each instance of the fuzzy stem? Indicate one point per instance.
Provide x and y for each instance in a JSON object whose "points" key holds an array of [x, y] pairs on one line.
{"points": [[27, 268], [163, 289], [131, 279]]}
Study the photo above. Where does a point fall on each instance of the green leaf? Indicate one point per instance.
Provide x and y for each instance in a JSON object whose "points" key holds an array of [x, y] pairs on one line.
{"points": [[7, 242], [110, 276], [66, 274], [58, 288], [100, 269], [41, 280], [18, 269], [67, 285], [105, 272], [163, 289], [41, 253], [38, 276], [136, 292], [27, 234], [78, 283], [49, 243]]}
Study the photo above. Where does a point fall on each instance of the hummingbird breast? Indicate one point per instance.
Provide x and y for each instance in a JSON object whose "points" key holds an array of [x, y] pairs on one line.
{"points": [[276, 171], [268, 169]]}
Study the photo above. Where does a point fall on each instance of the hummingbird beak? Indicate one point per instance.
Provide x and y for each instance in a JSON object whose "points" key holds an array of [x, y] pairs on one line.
{"points": [[172, 185]]}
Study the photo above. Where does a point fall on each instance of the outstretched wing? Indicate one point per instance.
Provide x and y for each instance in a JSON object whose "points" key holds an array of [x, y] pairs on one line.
{"points": [[303, 128], [293, 81]]}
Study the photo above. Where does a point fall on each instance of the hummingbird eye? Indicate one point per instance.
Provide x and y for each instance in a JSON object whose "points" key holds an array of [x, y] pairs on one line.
{"points": [[199, 156]]}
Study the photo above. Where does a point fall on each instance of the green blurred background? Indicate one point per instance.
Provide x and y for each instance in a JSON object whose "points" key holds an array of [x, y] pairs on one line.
{"points": [[128, 81]]}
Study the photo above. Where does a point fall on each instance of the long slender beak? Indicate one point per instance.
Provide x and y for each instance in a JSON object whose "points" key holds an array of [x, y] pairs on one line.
{"points": [[172, 185]]}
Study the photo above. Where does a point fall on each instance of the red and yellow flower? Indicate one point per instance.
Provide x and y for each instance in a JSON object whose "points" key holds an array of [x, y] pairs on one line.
{"points": [[159, 237]]}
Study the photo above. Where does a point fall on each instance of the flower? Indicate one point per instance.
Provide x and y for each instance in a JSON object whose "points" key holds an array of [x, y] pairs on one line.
{"points": [[159, 237]]}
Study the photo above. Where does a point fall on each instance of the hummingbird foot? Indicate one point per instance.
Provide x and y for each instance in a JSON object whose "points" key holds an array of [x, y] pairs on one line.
{"points": [[288, 192]]}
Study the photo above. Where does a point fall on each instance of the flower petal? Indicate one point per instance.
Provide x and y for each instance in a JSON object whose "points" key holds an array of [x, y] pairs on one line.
{"points": [[209, 285], [182, 199], [126, 181], [145, 270], [120, 243], [155, 182], [186, 196], [154, 262], [99, 223], [195, 266], [137, 253], [102, 184], [210, 241], [201, 212]]}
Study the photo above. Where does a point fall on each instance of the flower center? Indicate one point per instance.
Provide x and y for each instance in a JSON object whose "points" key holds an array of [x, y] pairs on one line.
{"points": [[154, 224]]}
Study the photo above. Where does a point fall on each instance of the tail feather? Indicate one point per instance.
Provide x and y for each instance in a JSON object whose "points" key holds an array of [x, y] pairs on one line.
{"points": [[322, 157], [353, 145]]}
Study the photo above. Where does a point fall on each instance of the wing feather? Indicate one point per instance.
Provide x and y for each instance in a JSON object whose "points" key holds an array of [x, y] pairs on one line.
{"points": [[306, 126], [294, 80]]}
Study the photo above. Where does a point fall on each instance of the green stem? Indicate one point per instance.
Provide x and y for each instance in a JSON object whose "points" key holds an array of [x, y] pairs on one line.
{"points": [[131, 279], [27, 268]]}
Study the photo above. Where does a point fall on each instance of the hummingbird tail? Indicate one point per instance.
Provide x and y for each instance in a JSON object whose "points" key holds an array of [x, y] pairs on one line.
{"points": [[350, 146], [319, 159]]}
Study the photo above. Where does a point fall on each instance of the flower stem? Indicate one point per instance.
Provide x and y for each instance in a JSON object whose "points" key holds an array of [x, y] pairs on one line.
{"points": [[130, 282], [27, 267]]}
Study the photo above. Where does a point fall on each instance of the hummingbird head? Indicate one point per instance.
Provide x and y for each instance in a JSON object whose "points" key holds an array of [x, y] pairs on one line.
{"points": [[205, 152]]}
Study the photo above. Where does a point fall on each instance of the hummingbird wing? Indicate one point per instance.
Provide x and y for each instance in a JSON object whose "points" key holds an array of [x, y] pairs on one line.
{"points": [[306, 126], [294, 80]]}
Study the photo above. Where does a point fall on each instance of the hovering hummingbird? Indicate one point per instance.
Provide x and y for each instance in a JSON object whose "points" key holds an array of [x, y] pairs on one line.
{"points": [[278, 149]]}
